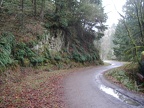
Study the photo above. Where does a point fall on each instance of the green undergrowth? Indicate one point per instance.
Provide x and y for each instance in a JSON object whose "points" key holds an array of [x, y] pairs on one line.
{"points": [[126, 77], [13, 53]]}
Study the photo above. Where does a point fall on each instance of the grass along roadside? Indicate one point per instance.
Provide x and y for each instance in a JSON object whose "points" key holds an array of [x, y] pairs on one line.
{"points": [[126, 77]]}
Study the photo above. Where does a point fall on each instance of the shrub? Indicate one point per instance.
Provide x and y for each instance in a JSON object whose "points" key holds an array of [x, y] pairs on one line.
{"points": [[58, 58], [37, 60], [47, 54], [79, 57], [6, 44], [23, 51]]}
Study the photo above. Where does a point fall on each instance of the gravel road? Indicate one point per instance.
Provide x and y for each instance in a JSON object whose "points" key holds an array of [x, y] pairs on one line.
{"points": [[88, 89]]}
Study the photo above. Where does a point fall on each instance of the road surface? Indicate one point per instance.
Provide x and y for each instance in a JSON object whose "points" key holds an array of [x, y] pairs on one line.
{"points": [[88, 89]]}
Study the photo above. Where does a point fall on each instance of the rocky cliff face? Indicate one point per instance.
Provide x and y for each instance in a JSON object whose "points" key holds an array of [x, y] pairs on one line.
{"points": [[52, 41]]}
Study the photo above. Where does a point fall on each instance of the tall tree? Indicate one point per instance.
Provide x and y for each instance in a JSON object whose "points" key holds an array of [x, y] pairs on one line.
{"points": [[133, 23]]}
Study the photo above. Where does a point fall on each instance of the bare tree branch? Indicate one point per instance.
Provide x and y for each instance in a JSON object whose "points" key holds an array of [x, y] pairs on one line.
{"points": [[1, 3]]}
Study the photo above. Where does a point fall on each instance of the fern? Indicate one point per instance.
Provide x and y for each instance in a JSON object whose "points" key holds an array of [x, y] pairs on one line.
{"points": [[6, 44], [23, 52]]}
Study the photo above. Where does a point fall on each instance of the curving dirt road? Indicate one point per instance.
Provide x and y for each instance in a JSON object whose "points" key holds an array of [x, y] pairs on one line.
{"points": [[88, 89]]}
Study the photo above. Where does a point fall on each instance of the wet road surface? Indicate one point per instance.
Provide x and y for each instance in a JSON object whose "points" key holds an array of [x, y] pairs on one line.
{"points": [[88, 89]]}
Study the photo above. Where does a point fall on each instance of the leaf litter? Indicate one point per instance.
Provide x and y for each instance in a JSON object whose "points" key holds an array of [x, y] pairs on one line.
{"points": [[42, 90]]}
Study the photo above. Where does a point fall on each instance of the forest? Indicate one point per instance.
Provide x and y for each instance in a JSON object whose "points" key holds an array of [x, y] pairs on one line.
{"points": [[50, 32], [45, 42], [129, 33], [128, 41]]}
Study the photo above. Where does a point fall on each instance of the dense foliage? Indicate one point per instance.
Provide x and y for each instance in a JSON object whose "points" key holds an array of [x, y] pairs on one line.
{"points": [[26, 21], [6, 45], [129, 35]]}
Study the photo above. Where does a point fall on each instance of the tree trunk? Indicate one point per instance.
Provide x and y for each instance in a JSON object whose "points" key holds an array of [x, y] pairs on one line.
{"points": [[22, 14], [139, 15], [132, 41], [42, 10], [22, 5], [58, 6], [135, 56], [35, 7], [1, 2]]}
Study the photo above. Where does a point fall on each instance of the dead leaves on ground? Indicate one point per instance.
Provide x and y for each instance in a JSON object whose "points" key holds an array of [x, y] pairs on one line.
{"points": [[43, 90]]}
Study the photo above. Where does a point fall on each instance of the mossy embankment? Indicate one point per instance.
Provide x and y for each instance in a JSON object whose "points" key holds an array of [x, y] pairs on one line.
{"points": [[126, 77]]}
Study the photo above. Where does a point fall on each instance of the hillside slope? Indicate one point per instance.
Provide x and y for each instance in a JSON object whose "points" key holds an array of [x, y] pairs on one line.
{"points": [[50, 33]]}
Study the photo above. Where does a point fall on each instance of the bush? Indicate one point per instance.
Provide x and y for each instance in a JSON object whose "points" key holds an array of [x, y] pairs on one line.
{"points": [[6, 45], [58, 58], [37, 60], [79, 57], [22, 52], [123, 78], [47, 54], [141, 68]]}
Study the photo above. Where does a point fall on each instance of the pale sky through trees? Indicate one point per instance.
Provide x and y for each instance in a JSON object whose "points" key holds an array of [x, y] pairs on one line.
{"points": [[110, 9]]}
